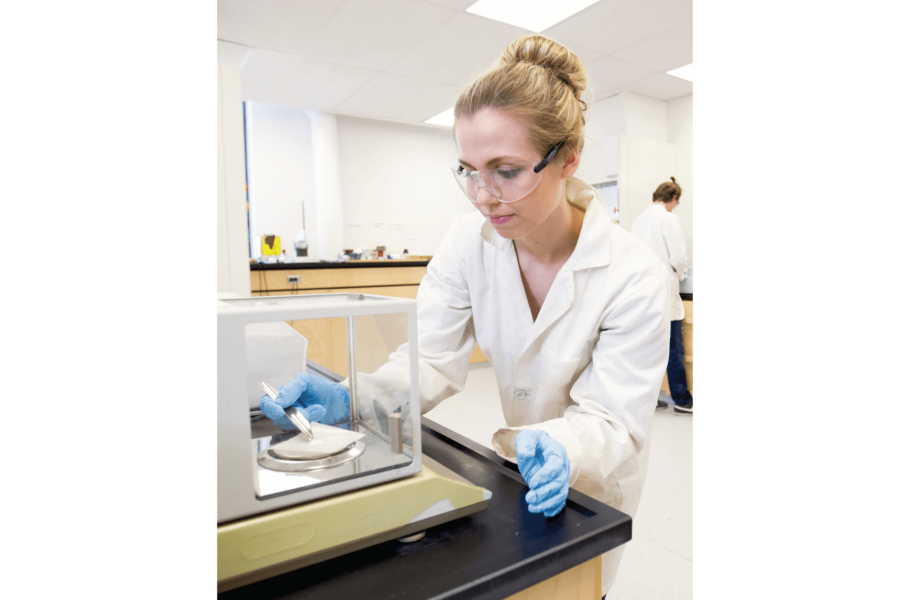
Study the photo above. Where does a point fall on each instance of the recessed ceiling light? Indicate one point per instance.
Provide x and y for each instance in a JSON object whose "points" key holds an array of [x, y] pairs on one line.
{"points": [[444, 119], [686, 72], [534, 15]]}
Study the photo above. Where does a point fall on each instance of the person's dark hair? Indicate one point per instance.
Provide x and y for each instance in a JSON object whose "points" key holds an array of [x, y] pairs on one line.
{"points": [[667, 192]]}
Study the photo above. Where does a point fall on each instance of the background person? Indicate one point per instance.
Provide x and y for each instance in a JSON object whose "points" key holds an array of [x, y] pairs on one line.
{"points": [[660, 229]]}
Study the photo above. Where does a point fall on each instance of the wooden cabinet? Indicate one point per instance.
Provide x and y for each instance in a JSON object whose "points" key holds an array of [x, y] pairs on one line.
{"points": [[581, 582], [329, 280], [687, 330], [328, 337]]}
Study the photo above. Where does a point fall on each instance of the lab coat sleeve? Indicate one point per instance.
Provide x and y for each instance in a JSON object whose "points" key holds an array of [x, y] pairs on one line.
{"points": [[615, 396], [677, 248], [445, 337]]}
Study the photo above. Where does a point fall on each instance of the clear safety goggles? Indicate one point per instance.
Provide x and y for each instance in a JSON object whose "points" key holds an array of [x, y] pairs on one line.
{"points": [[509, 183]]}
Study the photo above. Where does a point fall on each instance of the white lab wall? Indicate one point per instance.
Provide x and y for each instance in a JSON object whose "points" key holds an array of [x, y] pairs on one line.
{"points": [[605, 117], [397, 174], [233, 274], [645, 165], [681, 134], [327, 177], [650, 157], [645, 118], [648, 141], [281, 173]]}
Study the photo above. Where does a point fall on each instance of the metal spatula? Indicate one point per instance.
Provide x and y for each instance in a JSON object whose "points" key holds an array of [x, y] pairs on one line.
{"points": [[293, 415]]}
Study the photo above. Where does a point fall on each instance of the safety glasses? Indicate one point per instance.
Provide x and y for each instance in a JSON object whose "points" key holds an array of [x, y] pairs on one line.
{"points": [[509, 183]]}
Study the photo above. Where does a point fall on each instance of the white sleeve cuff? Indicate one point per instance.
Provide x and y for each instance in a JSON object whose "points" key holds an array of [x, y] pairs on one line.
{"points": [[504, 442]]}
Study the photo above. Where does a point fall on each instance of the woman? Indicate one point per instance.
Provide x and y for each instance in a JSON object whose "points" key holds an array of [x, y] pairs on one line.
{"points": [[570, 310]]}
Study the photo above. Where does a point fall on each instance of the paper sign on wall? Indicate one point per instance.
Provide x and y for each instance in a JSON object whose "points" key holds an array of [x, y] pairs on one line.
{"points": [[379, 224]]}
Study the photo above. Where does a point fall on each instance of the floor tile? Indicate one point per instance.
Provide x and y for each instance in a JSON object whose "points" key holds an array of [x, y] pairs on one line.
{"points": [[665, 514], [650, 572]]}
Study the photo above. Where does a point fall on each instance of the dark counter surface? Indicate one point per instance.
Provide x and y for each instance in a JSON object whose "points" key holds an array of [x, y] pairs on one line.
{"points": [[489, 555], [362, 264], [687, 296]]}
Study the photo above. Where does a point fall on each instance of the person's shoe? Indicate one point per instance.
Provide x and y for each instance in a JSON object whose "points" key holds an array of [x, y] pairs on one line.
{"points": [[661, 404], [687, 411]]}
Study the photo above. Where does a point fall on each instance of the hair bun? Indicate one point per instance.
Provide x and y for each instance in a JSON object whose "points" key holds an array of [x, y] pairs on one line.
{"points": [[544, 52], [673, 180]]}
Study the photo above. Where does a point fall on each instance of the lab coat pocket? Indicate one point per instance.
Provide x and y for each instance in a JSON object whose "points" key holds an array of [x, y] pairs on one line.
{"points": [[557, 378]]}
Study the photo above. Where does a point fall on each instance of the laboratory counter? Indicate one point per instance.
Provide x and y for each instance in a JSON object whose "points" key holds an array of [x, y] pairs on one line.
{"points": [[490, 555], [353, 264]]}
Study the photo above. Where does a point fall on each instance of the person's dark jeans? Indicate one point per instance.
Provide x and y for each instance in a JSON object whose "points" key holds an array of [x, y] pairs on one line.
{"points": [[675, 369]]}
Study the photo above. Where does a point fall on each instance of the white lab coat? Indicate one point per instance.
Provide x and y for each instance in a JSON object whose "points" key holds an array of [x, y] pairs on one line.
{"points": [[661, 231], [587, 371]]}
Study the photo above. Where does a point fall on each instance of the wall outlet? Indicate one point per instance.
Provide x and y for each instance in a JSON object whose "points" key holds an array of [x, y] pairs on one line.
{"points": [[293, 278]]}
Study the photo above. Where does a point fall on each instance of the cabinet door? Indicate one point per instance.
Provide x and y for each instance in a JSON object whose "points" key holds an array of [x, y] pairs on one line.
{"points": [[599, 160]]}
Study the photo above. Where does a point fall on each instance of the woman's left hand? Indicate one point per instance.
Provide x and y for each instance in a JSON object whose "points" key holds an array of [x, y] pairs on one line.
{"points": [[544, 464]]}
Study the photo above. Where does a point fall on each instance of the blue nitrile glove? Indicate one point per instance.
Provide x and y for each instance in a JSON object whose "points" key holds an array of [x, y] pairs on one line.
{"points": [[544, 464], [319, 400]]}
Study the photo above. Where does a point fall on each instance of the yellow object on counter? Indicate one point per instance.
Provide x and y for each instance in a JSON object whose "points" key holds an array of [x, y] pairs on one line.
{"points": [[270, 245]]}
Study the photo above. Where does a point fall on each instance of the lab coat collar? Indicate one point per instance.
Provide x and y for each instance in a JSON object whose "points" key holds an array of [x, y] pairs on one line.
{"points": [[591, 251]]}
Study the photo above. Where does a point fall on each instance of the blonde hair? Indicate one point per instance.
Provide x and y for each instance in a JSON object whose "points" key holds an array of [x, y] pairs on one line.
{"points": [[540, 81]]}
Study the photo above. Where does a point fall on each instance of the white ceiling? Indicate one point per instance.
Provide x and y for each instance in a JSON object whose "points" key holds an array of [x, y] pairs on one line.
{"points": [[408, 60]]}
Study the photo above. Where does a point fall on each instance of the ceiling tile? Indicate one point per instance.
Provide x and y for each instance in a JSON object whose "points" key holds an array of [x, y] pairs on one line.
{"points": [[355, 33], [662, 87], [433, 100], [408, 60], [282, 25], [611, 25], [398, 97], [458, 51], [584, 54], [297, 81], [663, 52], [607, 73], [374, 34], [455, 4], [231, 54]]}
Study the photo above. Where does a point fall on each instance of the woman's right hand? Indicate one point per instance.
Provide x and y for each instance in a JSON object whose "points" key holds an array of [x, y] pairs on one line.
{"points": [[319, 400], [544, 464]]}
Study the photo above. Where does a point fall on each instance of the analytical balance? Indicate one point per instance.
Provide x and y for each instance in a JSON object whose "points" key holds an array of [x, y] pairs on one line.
{"points": [[279, 510]]}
